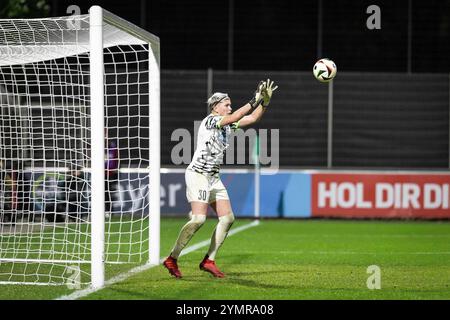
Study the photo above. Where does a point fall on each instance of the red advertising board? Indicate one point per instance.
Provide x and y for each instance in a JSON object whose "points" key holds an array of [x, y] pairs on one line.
{"points": [[373, 195]]}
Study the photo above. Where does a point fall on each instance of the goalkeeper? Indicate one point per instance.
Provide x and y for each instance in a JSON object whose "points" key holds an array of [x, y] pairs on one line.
{"points": [[203, 185]]}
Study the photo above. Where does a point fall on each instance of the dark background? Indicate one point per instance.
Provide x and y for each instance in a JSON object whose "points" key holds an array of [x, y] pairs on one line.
{"points": [[284, 35], [391, 94]]}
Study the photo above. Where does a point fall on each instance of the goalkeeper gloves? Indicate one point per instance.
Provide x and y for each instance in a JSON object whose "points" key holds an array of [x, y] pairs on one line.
{"points": [[267, 92], [258, 95]]}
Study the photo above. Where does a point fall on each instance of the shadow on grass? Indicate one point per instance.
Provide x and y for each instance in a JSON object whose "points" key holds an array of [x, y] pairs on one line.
{"points": [[202, 285]]}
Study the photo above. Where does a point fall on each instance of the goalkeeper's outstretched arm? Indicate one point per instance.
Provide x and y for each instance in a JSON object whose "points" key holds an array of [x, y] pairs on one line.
{"points": [[253, 104], [235, 116], [252, 118], [256, 115]]}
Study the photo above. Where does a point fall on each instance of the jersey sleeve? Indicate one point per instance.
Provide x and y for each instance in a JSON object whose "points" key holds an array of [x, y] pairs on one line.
{"points": [[213, 122]]}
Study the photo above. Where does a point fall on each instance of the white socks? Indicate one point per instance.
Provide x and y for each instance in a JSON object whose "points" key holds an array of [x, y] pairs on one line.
{"points": [[219, 234], [191, 227], [186, 233]]}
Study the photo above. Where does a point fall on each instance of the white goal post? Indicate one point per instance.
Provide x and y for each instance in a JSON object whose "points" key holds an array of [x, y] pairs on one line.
{"points": [[79, 128]]}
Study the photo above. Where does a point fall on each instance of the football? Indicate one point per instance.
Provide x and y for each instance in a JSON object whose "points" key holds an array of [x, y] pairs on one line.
{"points": [[324, 70]]}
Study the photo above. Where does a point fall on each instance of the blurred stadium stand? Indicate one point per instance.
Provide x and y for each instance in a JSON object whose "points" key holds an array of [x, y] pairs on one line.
{"points": [[391, 95], [380, 120]]}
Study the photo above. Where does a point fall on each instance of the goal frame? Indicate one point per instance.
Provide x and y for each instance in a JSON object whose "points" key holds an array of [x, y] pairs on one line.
{"points": [[96, 46], [97, 16]]}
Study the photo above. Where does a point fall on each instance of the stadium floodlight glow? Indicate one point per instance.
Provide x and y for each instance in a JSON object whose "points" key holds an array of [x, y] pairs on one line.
{"points": [[73, 89]]}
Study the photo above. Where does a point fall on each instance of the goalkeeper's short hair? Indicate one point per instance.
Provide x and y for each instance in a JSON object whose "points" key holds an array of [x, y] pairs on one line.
{"points": [[216, 98]]}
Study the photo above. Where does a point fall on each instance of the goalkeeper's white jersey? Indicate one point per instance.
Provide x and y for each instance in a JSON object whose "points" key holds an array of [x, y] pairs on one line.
{"points": [[212, 142]]}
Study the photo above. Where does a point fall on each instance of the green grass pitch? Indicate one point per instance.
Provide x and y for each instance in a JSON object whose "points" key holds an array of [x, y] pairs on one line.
{"points": [[291, 260]]}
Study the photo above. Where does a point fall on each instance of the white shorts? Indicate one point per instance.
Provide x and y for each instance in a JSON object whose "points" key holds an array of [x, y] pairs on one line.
{"points": [[205, 189]]}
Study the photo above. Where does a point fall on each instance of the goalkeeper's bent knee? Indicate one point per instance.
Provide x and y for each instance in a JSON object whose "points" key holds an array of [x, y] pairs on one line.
{"points": [[191, 227], [188, 230], [197, 219], [227, 219]]}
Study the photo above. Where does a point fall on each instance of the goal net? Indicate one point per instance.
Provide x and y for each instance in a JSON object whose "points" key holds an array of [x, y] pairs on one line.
{"points": [[79, 145]]}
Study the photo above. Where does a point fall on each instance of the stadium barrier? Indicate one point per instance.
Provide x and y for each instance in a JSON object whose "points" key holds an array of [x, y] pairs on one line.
{"points": [[370, 120], [288, 193]]}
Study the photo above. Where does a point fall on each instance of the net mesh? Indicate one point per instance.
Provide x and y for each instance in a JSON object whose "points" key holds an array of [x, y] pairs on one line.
{"points": [[45, 139]]}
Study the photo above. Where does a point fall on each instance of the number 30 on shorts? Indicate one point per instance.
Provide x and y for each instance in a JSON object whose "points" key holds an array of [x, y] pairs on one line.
{"points": [[202, 195]]}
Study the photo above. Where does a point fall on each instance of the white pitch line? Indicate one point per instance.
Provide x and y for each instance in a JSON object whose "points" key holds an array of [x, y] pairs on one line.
{"points": [[331, 252], [121, 277]]}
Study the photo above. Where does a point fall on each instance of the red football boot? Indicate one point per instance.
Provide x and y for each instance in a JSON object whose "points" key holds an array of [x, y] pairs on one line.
{"points": [[171, 265], [210, 266]]}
